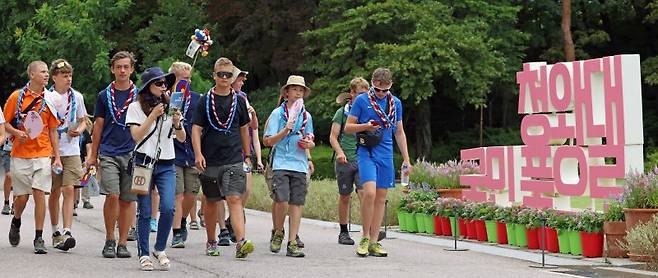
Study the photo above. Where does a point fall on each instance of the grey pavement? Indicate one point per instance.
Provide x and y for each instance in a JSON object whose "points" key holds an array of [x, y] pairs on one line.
{"points": [[408, 256]]}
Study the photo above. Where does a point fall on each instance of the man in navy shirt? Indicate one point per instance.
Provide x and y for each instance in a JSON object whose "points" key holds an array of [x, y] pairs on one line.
{"points": [[113, 145]]}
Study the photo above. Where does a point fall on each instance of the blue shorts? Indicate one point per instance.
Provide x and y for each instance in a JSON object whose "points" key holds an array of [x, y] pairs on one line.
{"points": [[379, 170], [5, 160]]}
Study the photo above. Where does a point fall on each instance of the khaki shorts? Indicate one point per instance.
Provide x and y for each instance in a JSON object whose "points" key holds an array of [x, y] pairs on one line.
{"points": [[115, 179], [30, 173], [187, 180], [71, 174]]}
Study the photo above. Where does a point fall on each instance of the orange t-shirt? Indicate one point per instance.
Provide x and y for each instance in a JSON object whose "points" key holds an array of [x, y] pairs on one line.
{"points": [[31, 148]]}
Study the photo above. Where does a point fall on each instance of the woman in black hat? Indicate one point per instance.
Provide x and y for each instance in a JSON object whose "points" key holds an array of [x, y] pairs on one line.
{"points": [[153, 130]]}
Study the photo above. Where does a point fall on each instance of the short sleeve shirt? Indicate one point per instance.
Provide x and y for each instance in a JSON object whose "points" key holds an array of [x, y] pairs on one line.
{"points": [[364, 112], [165, 142], [287, 154], [115, 139], [184, 151], [347, 140], [68, 145], [31, 148]]}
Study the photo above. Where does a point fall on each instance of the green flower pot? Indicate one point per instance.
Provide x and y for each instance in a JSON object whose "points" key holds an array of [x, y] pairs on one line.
{"points": [[454, 227], [521, 237], [575, 244], [429, 223], [402, 221], [410, 220], [563, 241], [420, 222], [492, 232], [511, 236]]}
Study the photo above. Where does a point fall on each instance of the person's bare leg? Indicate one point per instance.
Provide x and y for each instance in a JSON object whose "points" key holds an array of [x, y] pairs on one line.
{"points": [[19, 205], [237, 216], [67, 206], [194, 208], [126, 220], [39, 208], [187, 206], [221, 214], [53, 206], [280, 209], [110, 215], [247, 193], [155, 204], [178, 213], [367, 207], [7, 185], [343, 207], [210, 216], [294, 219], [378, 213]]}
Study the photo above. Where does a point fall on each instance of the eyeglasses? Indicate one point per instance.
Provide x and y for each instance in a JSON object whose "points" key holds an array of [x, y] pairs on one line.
{"points": [[159, 83], [224, 74], [378, 90]]}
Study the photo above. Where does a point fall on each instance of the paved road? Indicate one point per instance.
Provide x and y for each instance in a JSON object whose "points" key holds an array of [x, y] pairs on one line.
{"points": [[325, 258]]}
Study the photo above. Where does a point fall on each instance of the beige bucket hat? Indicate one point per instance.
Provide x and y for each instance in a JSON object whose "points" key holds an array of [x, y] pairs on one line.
{"points": [[296, 80]]}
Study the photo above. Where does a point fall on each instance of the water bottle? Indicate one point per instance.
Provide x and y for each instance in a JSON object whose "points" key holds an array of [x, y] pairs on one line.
{"points": [[246, 167], [404, 175], [57, 169]]}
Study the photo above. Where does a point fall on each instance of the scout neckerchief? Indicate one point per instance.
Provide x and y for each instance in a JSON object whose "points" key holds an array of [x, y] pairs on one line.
{"points": [[210, 105], [187, 98], [387, 120], [284, 116], [112, 106], [19, 103], [70, 109]]}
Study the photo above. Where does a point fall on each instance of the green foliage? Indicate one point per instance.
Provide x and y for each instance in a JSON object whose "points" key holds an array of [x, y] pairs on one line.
{"points": [[530, 217], [615, 212], [590, 221], [506, 214], [641, 190], [643, 240], [486, 211], [562, 221]]}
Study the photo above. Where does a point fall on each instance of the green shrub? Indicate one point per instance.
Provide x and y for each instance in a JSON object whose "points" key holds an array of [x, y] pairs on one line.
{"points": [[615, 212]]}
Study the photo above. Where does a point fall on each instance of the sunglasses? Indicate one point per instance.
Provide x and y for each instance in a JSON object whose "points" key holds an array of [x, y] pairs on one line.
{"points": [[159, 83], [378, 90], [224, 74]]}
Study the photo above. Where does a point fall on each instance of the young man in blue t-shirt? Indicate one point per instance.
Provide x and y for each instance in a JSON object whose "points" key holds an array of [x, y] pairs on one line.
{"points": [[376, 116], [112, 146]]}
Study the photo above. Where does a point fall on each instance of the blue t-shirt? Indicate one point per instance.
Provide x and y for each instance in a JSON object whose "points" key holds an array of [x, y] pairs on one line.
{"points": [[287, 154], [364, 112], [184, 151], [115, 139]]}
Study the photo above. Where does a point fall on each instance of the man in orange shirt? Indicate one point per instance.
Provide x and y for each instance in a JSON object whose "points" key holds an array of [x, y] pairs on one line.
{"points": [[30, 156]]}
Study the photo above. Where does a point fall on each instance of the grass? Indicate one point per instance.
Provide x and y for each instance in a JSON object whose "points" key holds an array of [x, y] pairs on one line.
{"points": [[321, 201]]}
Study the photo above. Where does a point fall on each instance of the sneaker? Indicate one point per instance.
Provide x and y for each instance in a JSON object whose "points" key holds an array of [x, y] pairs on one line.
{"points": [[163, 260], [154, 225], [362, 249], [57, 238], [109, 248], [14, 235], [376, 250], [300, 244], [345, 239], [294, 250], [87, 205], [177, 241], [6, 209], [132, 234], [183, 233], [212, 249], [275, 242], [67, 242], [122, 251], [145, 263], [39, 246], [224, 239], [194, 225], [243, 249]]}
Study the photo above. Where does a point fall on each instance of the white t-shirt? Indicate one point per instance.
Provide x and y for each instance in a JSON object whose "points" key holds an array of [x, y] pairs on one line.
{"points": [[136, 116], [67, 145]]}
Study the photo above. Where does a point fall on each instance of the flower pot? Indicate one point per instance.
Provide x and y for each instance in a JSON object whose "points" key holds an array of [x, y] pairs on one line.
{"points": [[429, 223], [437, 225], [402, 221], [552, 244], [639, 258], [412, 226], [450, 193], [501, 233], [533, 239], [615, 231], [481, 230], [637, 216], [521, 236], [420, 222], [563, 241], [575, 244], [511, 235], [471, 232], [463, 227], [455, 226], [446, 226], [492, 230], [592, 244]]}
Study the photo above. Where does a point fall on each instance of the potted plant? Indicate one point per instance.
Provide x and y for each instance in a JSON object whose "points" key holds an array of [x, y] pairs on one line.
{"points": [[437, 215], [419, 177], [487, 214], [614, 229], [467, 214], [533, 221], [590, 225], [550, 233], [503, 215], [562, 223], [412, 226], [403, 211], [428, 214], [575, 243], [642, 242], [452, 208], [447, 175], [640, 198]]}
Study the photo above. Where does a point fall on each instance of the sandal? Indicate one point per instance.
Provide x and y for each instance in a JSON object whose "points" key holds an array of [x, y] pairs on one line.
{"points": [[163, 260], [146, 264]]}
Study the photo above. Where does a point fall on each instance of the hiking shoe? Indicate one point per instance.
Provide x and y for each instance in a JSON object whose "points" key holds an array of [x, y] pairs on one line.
{"points": [[6, 209], [362, 249], [183, 233], [223, 239], [154, 225], [14, 235], [109, 248], [122, 251], [177, 241], [87, 205], [67, 242], [132, 234], [212, 249], [294, 250], [345, 239], [275, 242], [194, 225], [376, 250], [163, 260], [145, 263], [300, 244], [243, 248], [57, 238], [39, 246]]}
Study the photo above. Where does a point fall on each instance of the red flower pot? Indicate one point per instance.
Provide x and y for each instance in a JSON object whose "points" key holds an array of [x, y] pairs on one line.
{"points": [[471, 232], [592, 244], [437, 226], [533, 238], [481, 230], [445, 226], [501, 233], [463, 227], [551, 240]]}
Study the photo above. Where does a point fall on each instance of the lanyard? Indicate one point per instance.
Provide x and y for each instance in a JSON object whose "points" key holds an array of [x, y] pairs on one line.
{"points": [[114, 111], [210, 105]]}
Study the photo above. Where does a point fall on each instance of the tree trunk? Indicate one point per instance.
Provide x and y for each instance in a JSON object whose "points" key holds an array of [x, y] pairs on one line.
{"points": [[423, 130], [569, 48]]}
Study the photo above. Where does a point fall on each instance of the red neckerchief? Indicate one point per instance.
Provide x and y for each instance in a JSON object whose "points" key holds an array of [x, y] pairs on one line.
{"points": [[388, 121]]}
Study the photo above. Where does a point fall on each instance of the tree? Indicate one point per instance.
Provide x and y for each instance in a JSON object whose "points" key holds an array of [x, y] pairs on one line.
{"points": [[14, 16], [569, 49]]}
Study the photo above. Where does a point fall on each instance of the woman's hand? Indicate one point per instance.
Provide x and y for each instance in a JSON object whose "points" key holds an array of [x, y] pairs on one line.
{"points": [[157, 111], [176, 118]]}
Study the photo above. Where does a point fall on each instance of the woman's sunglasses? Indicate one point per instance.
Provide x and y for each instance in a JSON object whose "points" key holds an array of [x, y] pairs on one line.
{"points": [[159, 83]]}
